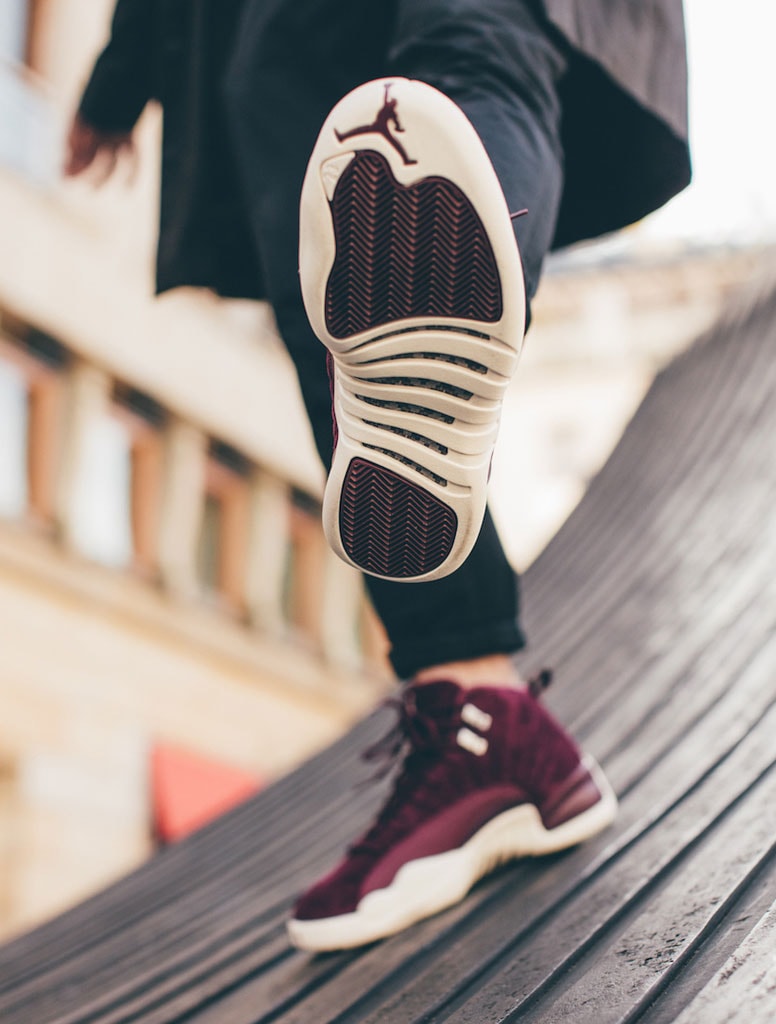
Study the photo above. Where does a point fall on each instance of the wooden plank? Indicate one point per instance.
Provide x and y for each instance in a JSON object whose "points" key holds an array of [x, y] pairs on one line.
{"points": [[737, 738], [618, 977], [667, 481], [724, 715], [613, 962], [657, 604], [162, 940], [207, 873], [743, 991], [726, 719], [716, 951], [655, 596]]}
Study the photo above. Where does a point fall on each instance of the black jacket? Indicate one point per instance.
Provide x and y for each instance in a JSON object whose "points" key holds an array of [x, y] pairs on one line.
{"points": [[624, 126]]}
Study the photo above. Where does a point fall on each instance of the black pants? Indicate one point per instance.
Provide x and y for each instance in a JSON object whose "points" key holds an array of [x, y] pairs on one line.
{"points": [[500, 62]]}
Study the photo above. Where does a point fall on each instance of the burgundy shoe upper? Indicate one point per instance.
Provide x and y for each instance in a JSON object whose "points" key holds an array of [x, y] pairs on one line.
{"points": [[464, 766]]}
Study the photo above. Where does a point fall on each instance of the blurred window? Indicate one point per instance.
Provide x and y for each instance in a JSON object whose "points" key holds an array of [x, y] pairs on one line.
{"points": [[13, 431], [143, 419], [118, 491], [14, 18], [30, 407], [223, 539], [9, 836], [303, 589], [102, 525], [29, 137]]}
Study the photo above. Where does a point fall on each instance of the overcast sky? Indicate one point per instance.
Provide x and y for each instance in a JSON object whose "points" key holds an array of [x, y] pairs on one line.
{"points": [[733, 124]]}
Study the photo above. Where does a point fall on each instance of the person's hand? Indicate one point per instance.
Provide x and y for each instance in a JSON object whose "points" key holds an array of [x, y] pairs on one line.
{"points": [[89, 150]]}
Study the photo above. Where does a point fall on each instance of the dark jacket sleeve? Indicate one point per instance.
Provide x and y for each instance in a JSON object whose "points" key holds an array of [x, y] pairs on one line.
{"points": [[121, 82]]}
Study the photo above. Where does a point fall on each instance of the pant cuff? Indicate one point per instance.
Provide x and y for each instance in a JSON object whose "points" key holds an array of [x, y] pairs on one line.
{"points": [[492, 638]]}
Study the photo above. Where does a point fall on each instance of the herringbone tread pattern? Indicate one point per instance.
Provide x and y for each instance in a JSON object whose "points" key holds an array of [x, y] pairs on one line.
{"points": [[391, 527], [417, 251]]}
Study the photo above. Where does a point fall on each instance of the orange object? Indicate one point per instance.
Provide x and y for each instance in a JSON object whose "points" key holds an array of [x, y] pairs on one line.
{"points": [[189, 790]]}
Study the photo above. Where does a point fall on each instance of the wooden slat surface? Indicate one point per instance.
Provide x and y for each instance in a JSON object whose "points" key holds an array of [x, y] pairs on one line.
{"points": [[656, 603]]}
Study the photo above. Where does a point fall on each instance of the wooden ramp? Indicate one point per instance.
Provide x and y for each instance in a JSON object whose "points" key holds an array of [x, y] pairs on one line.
{"points": [[656, 604]]}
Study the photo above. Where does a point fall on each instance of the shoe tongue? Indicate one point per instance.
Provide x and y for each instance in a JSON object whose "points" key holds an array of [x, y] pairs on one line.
{"points": [[436, 699]]}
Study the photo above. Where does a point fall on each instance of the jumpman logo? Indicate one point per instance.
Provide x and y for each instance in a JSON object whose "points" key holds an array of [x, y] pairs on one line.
{"points": [[386, 116]]}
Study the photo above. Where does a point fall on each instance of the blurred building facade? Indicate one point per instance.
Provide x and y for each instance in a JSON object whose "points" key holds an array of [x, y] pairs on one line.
{"points": [[163, 575]]}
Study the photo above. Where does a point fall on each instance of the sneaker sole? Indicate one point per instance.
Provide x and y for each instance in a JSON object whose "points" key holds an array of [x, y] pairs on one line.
{"points": [[412, 279], [430, 884]]}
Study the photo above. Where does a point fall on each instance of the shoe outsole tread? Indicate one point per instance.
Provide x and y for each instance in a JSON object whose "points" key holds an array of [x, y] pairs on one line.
{"points": [[411, 277]]}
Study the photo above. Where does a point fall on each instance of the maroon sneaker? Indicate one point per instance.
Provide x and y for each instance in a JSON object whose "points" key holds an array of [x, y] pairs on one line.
{"points": [[412, 279], [489, 775]]}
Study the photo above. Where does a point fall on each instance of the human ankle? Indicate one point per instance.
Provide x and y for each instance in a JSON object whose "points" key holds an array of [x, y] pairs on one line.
{"points": [[489, 670]]}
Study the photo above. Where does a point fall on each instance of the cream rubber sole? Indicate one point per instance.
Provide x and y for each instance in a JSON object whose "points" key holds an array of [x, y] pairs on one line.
{"points": [[412, 279], [425, 886]]}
